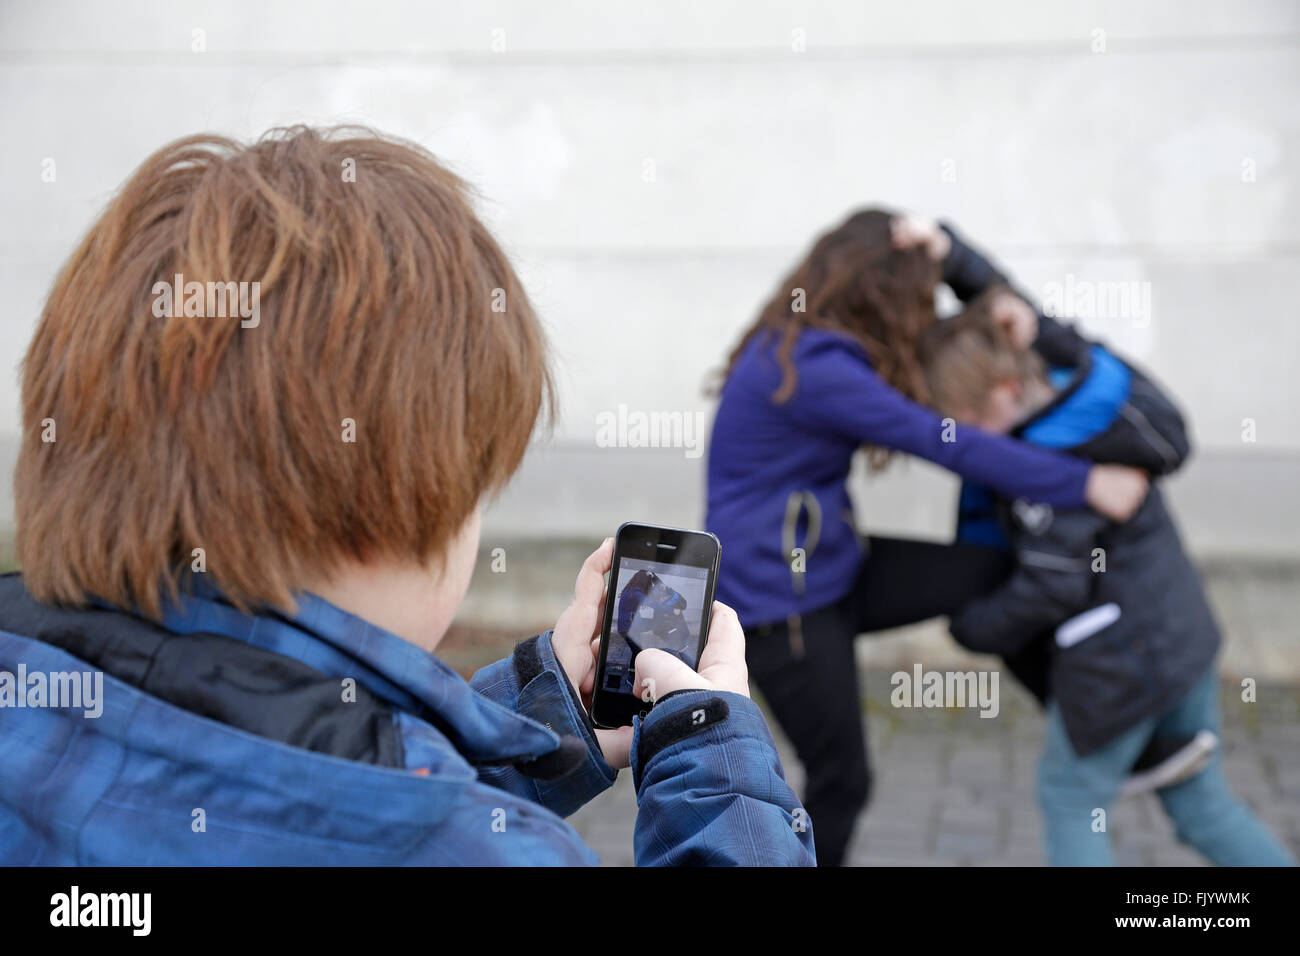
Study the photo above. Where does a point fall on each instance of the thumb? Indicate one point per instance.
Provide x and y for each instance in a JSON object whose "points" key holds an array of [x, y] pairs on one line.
{"points": [[659, 673]]}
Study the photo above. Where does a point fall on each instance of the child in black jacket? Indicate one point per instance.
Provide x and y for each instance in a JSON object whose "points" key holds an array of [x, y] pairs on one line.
{"points": [[1110, 620]]}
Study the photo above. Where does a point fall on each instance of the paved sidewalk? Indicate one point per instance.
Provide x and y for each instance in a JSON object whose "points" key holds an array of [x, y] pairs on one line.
{"points": [[955, 789], [952, 788]]}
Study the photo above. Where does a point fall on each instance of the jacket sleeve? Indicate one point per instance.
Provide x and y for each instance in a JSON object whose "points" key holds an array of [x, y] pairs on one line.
{"points": [[839, 392], [1059, 343], [965, 270], [531, 682], [1153, 420], [968, 273], [1157, 425], [1150, 432], [711, 790], [1053, 581]]}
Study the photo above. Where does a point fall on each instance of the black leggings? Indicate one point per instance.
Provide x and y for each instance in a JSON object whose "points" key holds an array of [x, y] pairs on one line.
{"points": [[814, 694]]}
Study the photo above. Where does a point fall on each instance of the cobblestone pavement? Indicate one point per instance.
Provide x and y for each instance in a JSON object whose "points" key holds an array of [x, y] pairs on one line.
{"points": [[952, 788], [955, 789]]}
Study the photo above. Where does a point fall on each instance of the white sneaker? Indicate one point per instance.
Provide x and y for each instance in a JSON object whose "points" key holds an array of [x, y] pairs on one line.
{"points": [[1182, 764]]}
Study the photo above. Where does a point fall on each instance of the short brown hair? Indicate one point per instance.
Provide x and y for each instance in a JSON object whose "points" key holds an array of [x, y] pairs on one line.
{"points": [[383, 301], [967, 356]]}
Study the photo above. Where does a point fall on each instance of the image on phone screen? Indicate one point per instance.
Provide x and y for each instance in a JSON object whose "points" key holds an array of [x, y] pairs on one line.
{"points": [[655, 605], [659, 596]]}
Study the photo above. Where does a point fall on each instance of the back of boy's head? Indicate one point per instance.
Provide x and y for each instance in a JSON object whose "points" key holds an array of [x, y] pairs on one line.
{"points": [[969, 355], [391, 378]]}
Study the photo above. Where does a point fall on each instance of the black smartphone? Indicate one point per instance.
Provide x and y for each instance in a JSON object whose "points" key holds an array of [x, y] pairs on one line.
{"points": [[659, 594]]}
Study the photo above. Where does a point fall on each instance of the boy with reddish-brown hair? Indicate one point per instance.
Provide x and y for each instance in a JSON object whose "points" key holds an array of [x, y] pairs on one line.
{"points": [[262, 407]]}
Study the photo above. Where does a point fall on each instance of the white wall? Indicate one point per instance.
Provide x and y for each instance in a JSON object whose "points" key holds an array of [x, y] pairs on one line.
{"points": [[1109, 166]]}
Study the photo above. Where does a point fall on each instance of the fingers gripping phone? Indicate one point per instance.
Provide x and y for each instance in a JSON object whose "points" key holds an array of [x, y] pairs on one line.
{"points": [[659, 594]]}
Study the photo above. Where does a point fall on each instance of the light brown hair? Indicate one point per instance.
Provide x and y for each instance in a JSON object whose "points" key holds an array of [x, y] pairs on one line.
{"points": [[969, 355], [383, 301]]}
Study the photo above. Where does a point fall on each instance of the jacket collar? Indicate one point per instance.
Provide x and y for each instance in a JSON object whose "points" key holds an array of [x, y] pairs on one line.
{"points": [[342, 645], [1089, 401]]}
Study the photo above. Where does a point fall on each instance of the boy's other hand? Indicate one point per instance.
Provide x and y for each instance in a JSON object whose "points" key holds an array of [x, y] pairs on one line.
{"points": [[576, 642], [722, 665], [909, 231], [1018, 317], [1116, 491]]}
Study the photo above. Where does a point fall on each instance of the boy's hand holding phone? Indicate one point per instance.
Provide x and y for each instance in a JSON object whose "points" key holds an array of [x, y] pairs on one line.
{"points": [[576, 641], [722, 664]]}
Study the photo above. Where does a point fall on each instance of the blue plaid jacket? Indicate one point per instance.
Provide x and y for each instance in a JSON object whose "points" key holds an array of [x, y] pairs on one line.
{"points": [[476, 782]]}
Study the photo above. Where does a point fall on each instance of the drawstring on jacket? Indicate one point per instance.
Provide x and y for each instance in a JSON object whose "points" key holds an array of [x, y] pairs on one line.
{"points": [[797, 505]]}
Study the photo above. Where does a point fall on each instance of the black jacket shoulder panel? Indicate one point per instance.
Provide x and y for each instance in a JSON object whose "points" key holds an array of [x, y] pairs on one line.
{"points": [[214, 676]]}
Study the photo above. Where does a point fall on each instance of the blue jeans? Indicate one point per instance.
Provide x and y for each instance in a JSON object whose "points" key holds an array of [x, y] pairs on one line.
{"points": [[1206, 815]]}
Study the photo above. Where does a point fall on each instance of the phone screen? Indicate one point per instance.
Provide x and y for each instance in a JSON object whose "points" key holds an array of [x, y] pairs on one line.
{"points": [[660, 595]]}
